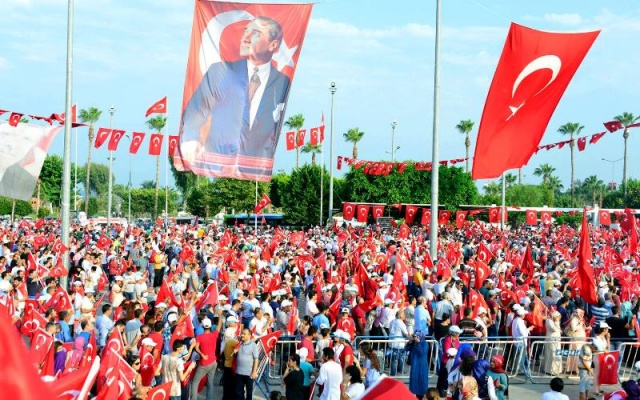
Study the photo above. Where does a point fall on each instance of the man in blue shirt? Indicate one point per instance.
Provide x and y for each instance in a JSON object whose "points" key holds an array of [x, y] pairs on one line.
{"points": [[104, 324], [421, 316], [321, 317], [65, 331]]}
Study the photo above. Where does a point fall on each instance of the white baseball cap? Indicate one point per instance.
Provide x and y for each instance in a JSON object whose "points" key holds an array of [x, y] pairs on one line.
{"points": [[232, 319], [206, 323], [148, 342]]}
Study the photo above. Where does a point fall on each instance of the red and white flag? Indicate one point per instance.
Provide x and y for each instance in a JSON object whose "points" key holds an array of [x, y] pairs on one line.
{"points": [[461, 216], [59, 247], [608, 362], [410, 214], [155, 144], [41, 342], [584, 280], [604, 217], [426, 217], [209, 296], [101, 136], [264, 201], [300, 137], [77, 384], [443, 217], [582, 143], [545, 217], [348, 211], [314, 136], [104, 242], [160, 392], [613, 126], [173, 144], [532, 217], [484, 254], [269, 341], [14, 119], [159, 107], [533, 72], [136, 142], [116, 135], [363, 213], [378, 211], [291, 140]]}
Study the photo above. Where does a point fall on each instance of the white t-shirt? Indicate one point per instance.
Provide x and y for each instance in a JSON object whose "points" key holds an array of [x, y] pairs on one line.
{"points": [[354, 390], [330, 376], [551, 395]]}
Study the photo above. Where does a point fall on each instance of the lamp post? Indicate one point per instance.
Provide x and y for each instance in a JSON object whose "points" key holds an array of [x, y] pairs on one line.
{"points": [[433, 234], [112, 111], [129, 184], [613, 166], [393, 135], [332, 90]]}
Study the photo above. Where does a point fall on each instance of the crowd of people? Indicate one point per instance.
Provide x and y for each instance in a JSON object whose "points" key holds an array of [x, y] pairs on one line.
{"points": [[179, 303]]}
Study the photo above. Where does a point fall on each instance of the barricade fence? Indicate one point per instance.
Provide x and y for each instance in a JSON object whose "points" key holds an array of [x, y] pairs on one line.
{"points": [[543, 358]]}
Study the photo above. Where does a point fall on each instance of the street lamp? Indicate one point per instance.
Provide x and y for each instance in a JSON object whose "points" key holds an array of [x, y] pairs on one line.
{"points": [[393, 152], [129, 184], [112, 111], [393, 135], [613, 166], [332, 90]]}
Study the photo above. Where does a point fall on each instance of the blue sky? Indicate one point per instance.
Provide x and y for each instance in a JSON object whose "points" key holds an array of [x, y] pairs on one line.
{"points": [[380, 54]]}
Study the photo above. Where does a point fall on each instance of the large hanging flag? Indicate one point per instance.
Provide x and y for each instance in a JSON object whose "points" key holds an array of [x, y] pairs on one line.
{"points": [[533, 72], [23, 149], [242, 60]]}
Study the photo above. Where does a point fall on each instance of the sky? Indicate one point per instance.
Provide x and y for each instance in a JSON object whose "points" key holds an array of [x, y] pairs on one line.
{"points": [[380, 55]]}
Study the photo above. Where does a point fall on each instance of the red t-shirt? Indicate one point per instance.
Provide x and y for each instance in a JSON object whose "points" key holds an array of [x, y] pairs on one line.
{"points": [[348, 350], [157, 337], [207, 342]]}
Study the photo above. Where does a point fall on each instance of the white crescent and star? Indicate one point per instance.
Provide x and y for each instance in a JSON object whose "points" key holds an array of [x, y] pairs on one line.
{"points": [[606, 358], [269, 342], [160, 392], [550, 62]]}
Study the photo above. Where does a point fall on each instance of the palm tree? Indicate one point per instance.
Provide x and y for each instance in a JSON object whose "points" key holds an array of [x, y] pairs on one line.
{"points": [[465, 126], [510, 179], [353, 135], [157, 123], [594, 186], [554, 183], [571, 129], [626, 119], [544, 171], [296, 122], [492, 189], [147, 184], [89, 116], [313, 149]]}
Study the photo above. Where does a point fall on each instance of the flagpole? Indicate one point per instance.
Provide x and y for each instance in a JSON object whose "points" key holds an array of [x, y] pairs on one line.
{"points": [[433, 234], [112, 111], [166, 169], [321, 175], [502, 203], [75, 174], [66, 157], [332, 90], [255, 213]]}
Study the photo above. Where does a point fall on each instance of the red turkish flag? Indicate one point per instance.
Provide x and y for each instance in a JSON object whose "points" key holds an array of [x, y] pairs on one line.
{"points": [[77, 383], [532, 75], [339, 166], [475, 301], [300, 138], [484, 254], [136, 142], [293, 317], [91, 353], [14, 119], [608, 362], [482, 273], [582, 143], [59, 247], [613, 126], [595, 137], [32, 321], [539, 313], [444, 217], [527, 265], [160, 392], [604, 217], [159, 107], [628, 225], [348, 211], [507, 296], [116, 135], [209, 296], [41, 341], [378, 211], [155, 144], [114, 343], [545, 217], [104, 242], [363, 213], [584, 280], [404, 231], [291, 140], [388, 388], [314, 136], [426, 216], [173, 144], [269, 341], [494, 215], [410, 214], [461, 216], [101, 136], [264, 201], [532, 217], [59, 300]]}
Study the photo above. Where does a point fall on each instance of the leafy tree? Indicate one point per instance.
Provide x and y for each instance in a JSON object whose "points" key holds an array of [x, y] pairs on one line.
{"points": [[313, 149], [186, 181], [89, 116], [594, 186], [510, 180], [234, 195], [157, 123], [278, 188], [199, 201], [23, 208], [626, 119], [545, 171], [353, 135], [554, 183], [51, 178], [493, 189], [301, 204], [143, 200], [296, 122], [529, 196], [464, 127], [570, 129], [99, 179], [148, 184]]}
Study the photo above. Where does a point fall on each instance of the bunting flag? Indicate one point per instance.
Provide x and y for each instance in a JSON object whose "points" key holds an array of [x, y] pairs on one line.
{"points": [[173, 144], [101, 136], [410, 213], [545, 217], [116, 135], [532, 217], [604, 217], [159, 107], [426, 217], [461, 216], [225, 131], [363, 213], [155, 144], [136, 142], [378, 211], [348, 211], [290, 138], [523, 96], [314, 136], [444, 217], [300, 137], [613, 126]]}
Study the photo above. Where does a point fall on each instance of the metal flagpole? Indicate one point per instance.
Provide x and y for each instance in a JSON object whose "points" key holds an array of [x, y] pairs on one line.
{"points": [[321, 175], [332, 89], [112, 111], [502, 203], [433, 237], [166, 170], [75, 174], [255, 213], [66, 157]]}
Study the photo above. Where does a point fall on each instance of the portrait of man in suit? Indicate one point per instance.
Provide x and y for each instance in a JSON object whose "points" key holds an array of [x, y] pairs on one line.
{"points": [[237, 109]]}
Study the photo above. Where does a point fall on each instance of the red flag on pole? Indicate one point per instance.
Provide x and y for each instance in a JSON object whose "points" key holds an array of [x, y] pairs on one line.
{"points": [[116, 135], [584, 279], [314, 136], [101, 136], [291, 140], [608, 362], [300, 138], [159, 107], [173, 144], [269, 341], [532, 75], [136, 142], [264, 201], [348, 211], [155, 144]]}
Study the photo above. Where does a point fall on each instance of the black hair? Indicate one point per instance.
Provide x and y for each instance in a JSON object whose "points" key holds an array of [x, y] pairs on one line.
{"points": [[556, 384]]}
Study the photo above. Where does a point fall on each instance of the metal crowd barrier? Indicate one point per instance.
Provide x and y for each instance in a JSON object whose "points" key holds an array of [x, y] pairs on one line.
{"points": [[551, 357], [507, 346], [629, 355], [278, 358]]}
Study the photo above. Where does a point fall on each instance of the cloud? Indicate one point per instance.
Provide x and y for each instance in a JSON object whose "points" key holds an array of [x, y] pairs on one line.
{"points": [[564, 19]]}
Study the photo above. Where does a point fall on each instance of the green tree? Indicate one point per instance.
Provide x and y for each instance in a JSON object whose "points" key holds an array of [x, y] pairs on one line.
{"points": [[186, 182], [23, 208], [278, 188], [301, 204], [545, 171], [147, 184], [626, 119], [199, 201], [594, 186], [570, 129], [235, 195], [51, 178], [492, 189], [296, 122], [157, 123], [353, 135], [89, 116], [554, 183], [529, 196], [510, 180], [313, 149], [464, 127]]}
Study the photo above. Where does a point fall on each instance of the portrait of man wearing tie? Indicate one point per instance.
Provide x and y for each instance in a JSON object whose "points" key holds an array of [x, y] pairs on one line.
{"points": [[236, 111]]}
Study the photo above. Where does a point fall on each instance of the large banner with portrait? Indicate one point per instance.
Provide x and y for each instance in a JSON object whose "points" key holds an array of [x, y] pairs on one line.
{"points": [[241, 64]]}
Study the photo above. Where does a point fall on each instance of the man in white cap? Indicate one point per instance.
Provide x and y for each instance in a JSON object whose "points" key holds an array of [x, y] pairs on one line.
{"points": [[520, 332], [398, 330], [307, 370], [206, 348]]}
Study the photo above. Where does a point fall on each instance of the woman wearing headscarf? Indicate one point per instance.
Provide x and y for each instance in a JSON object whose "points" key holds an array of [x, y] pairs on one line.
{"points": [[74, 358], [452, 341], [553, 363], [499, 376], [486, 389], [60, 357], [576, 329], [419, 374]]}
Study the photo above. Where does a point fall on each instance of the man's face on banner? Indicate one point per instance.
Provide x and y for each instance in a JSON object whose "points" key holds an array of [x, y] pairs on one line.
{"points": [[256, 43]]}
